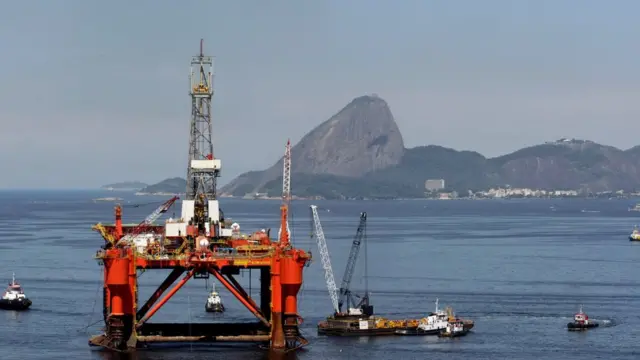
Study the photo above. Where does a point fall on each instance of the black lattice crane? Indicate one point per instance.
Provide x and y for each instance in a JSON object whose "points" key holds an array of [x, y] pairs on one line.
{"points": [[345, 292]]}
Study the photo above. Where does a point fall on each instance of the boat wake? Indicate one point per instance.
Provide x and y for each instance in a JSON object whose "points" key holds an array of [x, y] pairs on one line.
{"points": [[606, 322], [537, 316], [526, 315]]}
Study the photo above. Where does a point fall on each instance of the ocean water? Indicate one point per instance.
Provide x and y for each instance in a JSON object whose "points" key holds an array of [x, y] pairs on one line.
{"points": [[519, 268]]}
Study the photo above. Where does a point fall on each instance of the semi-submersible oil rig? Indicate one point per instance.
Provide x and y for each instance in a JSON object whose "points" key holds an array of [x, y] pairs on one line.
{"points": [[198, 244]]}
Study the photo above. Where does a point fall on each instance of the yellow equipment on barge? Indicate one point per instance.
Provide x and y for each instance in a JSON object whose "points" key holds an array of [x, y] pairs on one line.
{"points": [[357, 325]]}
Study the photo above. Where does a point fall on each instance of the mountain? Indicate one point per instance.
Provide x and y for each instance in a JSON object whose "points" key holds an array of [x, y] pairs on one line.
{"points": [[360, 138], [174, 185], [359, 152], [573, 164], [125, 185]]}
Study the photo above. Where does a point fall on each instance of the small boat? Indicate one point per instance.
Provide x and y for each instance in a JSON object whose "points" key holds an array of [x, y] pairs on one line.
{"points": [[454, 329], [635, 234], [14, 297], [431, 325], [467, 323], [581, 322], [635, 208], [214, 302]]}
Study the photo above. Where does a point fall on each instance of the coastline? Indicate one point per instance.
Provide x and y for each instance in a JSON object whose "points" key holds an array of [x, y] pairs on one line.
{"points": [[226, 196]]}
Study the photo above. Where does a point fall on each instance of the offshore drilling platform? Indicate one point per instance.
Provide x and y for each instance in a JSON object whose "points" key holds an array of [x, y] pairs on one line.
{"points": [[199, 244]]}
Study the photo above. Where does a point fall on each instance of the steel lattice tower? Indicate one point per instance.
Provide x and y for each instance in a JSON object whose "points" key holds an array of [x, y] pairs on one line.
{"points": [[201, 179]]}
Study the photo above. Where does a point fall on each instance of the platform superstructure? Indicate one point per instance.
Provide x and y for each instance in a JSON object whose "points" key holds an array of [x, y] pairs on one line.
{"points": [[199, 244]]}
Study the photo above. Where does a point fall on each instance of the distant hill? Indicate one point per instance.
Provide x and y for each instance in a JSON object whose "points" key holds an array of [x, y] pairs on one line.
{"points": [[359, 152], [125, 185], [174, 185]]}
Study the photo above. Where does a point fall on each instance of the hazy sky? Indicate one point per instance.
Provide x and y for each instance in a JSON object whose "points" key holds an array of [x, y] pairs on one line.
{"points": [[93, 92]]}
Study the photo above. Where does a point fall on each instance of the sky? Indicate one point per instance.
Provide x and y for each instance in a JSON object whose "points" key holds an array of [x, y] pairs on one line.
{"points": [[97, 92]]}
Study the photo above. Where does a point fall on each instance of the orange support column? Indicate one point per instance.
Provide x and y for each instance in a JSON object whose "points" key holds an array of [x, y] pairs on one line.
{"points": [[291, 280], [118, 283], [277, 331], [133, 285], [106, 295], [118, 280]]}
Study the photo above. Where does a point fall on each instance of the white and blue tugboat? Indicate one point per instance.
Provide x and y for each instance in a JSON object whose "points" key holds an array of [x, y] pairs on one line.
{"points": [[214, 302]]}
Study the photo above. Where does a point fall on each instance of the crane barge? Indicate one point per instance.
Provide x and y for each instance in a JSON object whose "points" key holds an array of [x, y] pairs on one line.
{"points": [[358, 319], [198, 244]]}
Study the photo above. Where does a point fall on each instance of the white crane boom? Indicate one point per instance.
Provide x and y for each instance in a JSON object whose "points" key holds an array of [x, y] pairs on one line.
{"points": [[324, 255]]}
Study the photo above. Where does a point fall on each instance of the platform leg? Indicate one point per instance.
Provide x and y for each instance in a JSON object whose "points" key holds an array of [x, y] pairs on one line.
{"points": [[120, 281], [290, 283], [277, 331]]}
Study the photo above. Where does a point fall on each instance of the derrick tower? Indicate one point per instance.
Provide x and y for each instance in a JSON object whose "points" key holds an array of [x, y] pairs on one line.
{"points": [[201, 170], [202, 167]]}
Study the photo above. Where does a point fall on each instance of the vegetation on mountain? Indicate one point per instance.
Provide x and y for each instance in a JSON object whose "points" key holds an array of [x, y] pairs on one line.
{"points": [[174, 185]]}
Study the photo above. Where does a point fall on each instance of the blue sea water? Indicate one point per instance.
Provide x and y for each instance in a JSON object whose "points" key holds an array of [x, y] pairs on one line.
{"points": [[519, 268]]}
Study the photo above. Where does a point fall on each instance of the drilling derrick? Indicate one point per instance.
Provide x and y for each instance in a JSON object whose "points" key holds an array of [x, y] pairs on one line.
{"points": [[203, 168], [198, 244]]}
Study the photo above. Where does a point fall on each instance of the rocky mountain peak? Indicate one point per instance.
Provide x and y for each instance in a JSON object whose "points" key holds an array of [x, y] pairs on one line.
{"points": [[362, 137]]}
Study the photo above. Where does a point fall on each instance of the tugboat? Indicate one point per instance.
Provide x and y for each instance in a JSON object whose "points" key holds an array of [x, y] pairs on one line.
{"points": [[431, 325], [14, 297], [454, 329], [581, 322], [635, 234], [214, 303]]}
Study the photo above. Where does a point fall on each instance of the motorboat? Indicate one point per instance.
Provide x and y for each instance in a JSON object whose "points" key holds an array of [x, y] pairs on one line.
{"points": [[430, 325], [581, 322], [454, 329], [214, 302], [14, 297]]}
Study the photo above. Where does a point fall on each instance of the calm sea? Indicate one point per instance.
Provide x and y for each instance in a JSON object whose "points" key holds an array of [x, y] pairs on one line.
{"points": [[519, 268]]}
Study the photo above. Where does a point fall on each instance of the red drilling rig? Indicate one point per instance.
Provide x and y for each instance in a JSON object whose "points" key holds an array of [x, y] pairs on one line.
{"points": [[198, 244]]}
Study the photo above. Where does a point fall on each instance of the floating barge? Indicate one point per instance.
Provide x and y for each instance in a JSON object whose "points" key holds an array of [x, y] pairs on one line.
{"points": [[353, 325], [350, 325]]}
